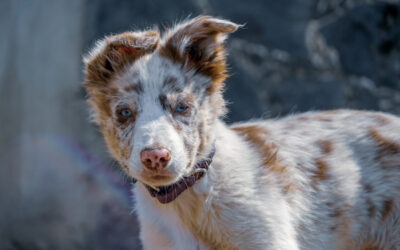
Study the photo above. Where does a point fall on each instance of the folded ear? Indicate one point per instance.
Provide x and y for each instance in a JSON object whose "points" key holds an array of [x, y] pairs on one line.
{"points": [[198, 45], [114, 53]]}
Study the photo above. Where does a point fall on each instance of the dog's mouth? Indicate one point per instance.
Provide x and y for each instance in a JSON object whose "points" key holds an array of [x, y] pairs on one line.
{"points": [[166, 194]]}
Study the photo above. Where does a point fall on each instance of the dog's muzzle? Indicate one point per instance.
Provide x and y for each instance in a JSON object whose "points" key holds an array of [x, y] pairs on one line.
{"points": [[166, 194]]}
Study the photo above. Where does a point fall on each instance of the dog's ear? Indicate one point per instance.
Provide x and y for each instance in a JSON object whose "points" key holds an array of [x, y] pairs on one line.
{"points": [[110, 56], [114, 53], [198, 45]]}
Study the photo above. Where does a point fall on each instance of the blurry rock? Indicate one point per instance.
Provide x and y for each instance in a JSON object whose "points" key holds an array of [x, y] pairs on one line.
{"points": [[337, 7], [361, 93], [302, 95], [275, 24], [367, 39]]}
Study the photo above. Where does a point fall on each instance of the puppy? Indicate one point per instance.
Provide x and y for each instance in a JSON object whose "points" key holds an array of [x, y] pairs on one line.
{"points": [[318, 180]]}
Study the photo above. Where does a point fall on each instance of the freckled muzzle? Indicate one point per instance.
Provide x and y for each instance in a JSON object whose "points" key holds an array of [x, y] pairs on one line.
{"points": [[166, 194]]}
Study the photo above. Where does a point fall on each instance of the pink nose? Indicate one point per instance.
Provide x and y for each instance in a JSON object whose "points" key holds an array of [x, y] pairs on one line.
{"points": [[156, 158]]}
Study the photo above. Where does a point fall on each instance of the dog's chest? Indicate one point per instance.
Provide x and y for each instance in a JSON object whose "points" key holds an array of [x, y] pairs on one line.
{"points": [[202, 220]]}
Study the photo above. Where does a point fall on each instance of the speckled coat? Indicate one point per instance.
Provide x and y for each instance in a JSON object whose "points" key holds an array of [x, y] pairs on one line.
{"points": [[318, 180]]}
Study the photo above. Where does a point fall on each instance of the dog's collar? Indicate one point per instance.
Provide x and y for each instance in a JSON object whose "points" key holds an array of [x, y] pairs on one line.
{"points": [[166, 194]]}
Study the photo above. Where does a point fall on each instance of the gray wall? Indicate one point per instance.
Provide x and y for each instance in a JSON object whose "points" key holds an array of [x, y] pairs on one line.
{"points": [[59, 189]]}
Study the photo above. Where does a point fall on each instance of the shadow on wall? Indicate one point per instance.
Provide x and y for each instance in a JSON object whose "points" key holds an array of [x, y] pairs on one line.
{"points": [[58, 188]]}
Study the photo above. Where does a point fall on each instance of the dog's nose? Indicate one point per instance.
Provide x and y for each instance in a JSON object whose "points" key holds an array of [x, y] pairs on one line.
{"points": [[157, 158]]}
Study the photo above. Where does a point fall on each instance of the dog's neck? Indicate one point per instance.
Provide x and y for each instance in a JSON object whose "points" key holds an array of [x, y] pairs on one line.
{"points": [[232, 154]]}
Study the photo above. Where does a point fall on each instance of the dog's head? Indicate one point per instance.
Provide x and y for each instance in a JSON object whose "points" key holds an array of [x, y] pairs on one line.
{"points": [[156, 99]]}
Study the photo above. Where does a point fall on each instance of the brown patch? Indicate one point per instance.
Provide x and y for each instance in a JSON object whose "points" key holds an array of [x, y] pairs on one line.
{"points": [[382, 120], [303, 118], [113, 142], [387, 208], [343, 228], [200, 130], [371, 209], [325, 145], [205, 53], [100, 101], [100, 98], [125, 167], [388, 151], [269, 153], [320, 172], [323, 117], [386, 146], [360, 112], [268, 150], [189, 97], [189, 151], [138, 88], [277, 166], [370, 246], [289, 188], [332, 112], [119, 51]]}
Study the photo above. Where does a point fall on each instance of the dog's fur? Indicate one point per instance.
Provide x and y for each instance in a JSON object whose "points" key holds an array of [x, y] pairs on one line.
{"points": [[318, 180]]}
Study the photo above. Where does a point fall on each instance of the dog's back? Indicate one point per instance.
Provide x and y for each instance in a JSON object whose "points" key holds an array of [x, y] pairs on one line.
{"points": [[339, 172]]}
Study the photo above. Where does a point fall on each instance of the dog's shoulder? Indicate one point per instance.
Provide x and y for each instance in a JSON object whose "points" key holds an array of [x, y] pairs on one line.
{"points": [[337, 125]]}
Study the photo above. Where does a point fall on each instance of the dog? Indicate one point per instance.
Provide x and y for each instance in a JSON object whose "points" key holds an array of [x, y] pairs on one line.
{"points": [[317, 180]]}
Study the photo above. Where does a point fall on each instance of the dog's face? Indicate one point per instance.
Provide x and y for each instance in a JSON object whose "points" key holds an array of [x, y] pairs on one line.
{"points": [[155, 100]]}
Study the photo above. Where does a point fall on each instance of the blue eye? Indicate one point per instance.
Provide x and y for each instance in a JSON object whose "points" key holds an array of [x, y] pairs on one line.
{"points": [[125, 112], [180, 108]]}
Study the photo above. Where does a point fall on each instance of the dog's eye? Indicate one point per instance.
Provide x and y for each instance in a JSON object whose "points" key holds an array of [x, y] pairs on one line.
{"points": [[125, 113], [181, 108]]}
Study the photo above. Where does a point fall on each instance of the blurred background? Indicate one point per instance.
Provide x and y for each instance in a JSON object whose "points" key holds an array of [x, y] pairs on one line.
{"points": [[59, 189]]}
